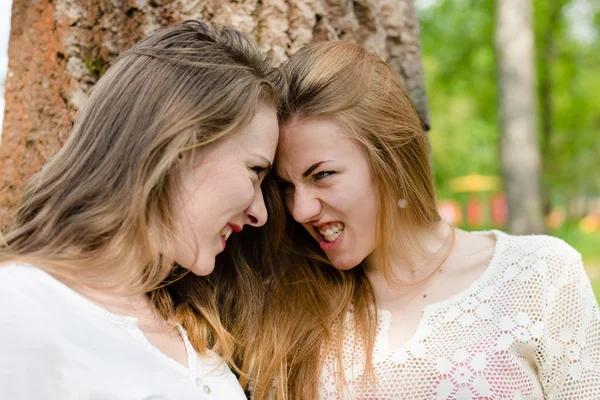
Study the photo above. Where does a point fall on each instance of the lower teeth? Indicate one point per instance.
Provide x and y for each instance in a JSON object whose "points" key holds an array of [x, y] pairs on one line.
{"points": [[332, 238]]}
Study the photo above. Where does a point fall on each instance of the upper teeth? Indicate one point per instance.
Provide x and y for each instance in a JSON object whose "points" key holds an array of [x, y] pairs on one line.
{"points": [[226, 232], [331, 229], [332, 232]]}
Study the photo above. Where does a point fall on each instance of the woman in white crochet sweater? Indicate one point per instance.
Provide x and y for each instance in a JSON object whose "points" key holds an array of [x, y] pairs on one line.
{"points": [[374, 297]]}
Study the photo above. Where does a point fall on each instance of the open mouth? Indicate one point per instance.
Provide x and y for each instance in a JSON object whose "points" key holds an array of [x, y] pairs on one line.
{"points": [[330, 232], [226, 232]]}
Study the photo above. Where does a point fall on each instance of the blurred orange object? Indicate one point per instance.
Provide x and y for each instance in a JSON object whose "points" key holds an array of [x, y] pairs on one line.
{"points": [[450, 211], [499, 209], [556, 218], [590, 223], [474, 212]]}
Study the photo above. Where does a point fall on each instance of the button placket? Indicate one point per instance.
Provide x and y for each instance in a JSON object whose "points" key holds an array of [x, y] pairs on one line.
{"points": [[205, 388]]}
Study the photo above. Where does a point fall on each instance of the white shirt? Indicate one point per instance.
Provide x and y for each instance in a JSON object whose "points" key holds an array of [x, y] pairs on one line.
{"points": [[527, 328], [57, 345]]}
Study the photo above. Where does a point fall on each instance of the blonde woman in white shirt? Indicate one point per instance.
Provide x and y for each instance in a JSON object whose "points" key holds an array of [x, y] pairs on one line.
{"points": [[104, 286], [374, 297]]}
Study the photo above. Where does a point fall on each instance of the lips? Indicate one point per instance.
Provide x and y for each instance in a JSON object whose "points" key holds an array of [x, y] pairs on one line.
{"points": [[227, 231], [330, 235], [330, 231]]}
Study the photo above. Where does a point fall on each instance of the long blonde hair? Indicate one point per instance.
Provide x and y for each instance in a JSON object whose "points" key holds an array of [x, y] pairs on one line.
{"points": [[303, 317], [99, 213]]}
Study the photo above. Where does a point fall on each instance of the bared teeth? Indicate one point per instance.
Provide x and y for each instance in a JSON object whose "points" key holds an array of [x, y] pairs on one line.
{"points": [[226, 232], [332, 231]]}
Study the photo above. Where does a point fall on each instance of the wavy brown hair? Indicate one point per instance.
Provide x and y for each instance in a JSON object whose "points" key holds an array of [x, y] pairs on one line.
{"points": [[99, 213], [303, 315]]}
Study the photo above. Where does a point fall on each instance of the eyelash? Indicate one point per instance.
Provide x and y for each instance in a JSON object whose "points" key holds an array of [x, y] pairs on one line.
{"points": [[322, 174], [258, 170], [283, 185]]}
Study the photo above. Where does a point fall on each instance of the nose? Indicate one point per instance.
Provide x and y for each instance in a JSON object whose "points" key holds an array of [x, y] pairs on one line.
{"points": [[305, 206], [256, 213]]}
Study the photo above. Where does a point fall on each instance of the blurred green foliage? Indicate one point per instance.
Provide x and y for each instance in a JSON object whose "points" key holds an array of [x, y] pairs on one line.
{"points": [[461, 82], [459, 63], [460, 72]]}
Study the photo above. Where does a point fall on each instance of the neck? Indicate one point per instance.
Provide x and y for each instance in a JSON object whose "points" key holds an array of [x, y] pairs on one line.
{"points": [[411, 265], [123, 303]]}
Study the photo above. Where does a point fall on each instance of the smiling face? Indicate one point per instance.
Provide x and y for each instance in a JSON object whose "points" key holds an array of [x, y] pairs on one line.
{"points": [[328, 186], [221, 191]]}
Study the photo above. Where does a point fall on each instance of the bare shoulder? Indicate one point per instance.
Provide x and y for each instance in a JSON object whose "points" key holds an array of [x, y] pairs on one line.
{"points": [[469, 259]]}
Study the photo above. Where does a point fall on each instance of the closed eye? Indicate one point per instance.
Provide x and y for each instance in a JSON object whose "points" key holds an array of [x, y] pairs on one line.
{"points": [[259, 170]]}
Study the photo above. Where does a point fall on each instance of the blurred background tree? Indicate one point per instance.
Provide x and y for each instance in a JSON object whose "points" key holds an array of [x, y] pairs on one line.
{"points": [[519, 149], [460, 70]]}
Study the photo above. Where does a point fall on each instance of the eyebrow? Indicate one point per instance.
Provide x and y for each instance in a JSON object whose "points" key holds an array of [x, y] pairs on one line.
{"points": [[313, 167]]}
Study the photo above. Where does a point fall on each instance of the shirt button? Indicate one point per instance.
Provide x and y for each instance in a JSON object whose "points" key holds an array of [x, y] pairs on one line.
{"points": [[199, 381], [206, 389]]}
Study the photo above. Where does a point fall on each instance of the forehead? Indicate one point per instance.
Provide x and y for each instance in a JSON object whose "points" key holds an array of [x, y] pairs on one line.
{"points": [[313, 133], [305, 142], [260, 136]]}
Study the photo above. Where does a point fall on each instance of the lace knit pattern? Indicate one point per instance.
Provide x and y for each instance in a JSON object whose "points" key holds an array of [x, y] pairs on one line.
{"points": [[527, 328]]}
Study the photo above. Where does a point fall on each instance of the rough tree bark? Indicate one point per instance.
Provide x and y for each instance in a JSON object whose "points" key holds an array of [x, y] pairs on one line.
{"points": [[520, 154], [59, 48]]}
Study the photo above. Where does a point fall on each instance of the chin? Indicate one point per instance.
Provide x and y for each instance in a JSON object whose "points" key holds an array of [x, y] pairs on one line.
{"points": [[344, 263], [203, 271], [202, 268]]}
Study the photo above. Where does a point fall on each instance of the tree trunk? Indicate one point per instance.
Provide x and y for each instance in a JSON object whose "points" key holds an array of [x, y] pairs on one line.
{"points": [[520, 154], [59, 48], [547, 59]]}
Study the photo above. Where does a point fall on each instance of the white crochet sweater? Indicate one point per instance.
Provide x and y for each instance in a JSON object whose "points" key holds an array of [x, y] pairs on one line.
{"points": [[527, 328]]}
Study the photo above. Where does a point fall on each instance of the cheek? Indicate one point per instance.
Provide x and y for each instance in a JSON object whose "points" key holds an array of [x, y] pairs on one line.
{"points": [[243, 195], [371, 210], [229, 190], [190, 215], [362, 204], [370, 193]]}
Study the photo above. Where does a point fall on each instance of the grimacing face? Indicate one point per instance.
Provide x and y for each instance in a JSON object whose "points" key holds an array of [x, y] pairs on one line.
{"points": [[328, 186], [221, 192]]}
